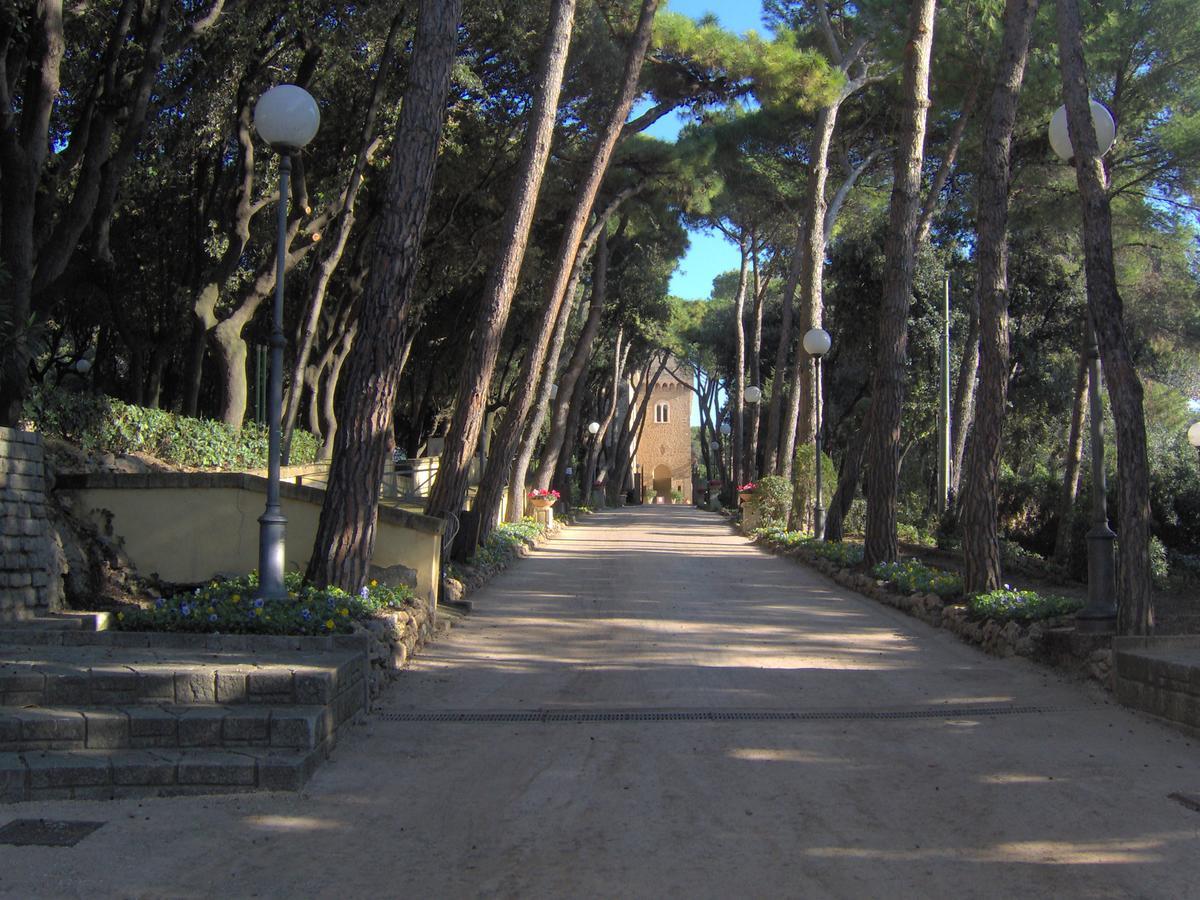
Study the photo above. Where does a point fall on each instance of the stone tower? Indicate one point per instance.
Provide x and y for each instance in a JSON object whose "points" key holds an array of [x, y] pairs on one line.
{"points": [[665, 452]]}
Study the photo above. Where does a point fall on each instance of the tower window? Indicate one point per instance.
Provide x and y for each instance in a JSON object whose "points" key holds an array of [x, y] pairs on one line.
{"points": [[662, 412]]}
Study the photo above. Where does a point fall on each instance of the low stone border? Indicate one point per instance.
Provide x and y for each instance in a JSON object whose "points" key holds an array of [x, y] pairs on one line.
{"points": [[1051, 641]]}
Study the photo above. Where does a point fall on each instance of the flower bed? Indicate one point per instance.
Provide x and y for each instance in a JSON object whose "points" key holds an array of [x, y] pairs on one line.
{"points": [[1011, 605], [230, 607], [913, 577]]}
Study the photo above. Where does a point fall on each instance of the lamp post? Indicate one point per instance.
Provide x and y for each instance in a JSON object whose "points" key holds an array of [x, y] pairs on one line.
{"points": [[286, 117], [752, 395], [1100, 613], [816, 344]]}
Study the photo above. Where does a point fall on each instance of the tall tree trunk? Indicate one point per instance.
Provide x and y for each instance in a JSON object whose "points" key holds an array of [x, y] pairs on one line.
{"points": [[1135, 602], [847, 487], [535, 418], [504, 445], [487, 501], [24, 144], [801, 420], [773, 462], [345, 536], [759, 294], [593, 458], [328, 263], [981, 501], [964, 396], [946, 166], [739, 380], [329, 393], [576, 366], [470, 402], [1073, 460], [887, 395]]}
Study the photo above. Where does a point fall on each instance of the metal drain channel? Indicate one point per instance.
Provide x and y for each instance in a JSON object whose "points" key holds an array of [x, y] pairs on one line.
{"points": [[568, 716]]}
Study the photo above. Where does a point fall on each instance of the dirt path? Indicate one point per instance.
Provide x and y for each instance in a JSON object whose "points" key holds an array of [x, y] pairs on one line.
{"points": [[652, 707]]}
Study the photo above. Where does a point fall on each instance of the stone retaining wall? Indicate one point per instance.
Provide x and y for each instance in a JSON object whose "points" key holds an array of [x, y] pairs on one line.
{"points": [[1052, 641], [30, 567]]}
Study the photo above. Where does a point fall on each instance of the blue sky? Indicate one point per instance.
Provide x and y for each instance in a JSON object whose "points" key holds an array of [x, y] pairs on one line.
{"points": [[710, 253]]}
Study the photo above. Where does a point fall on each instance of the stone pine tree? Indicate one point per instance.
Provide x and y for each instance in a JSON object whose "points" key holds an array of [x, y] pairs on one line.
{"points": [[470, 402], [346, 530], [980, 500], [887, 395], [1135, 611], [450, 491]]}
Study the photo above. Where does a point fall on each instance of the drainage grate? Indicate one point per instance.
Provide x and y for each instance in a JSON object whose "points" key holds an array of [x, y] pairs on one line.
{"points": [[45, 832], [709, 715]]}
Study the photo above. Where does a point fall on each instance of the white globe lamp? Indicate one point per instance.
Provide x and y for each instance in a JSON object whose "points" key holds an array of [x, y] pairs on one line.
{"points": [[593, 428], [753, 394], [726, 429], [1102, 124], [287, 117], [817, 342]]}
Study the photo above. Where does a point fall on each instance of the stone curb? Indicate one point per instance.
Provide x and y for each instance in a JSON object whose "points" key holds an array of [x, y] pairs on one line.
{"points": [[1052, 641]]}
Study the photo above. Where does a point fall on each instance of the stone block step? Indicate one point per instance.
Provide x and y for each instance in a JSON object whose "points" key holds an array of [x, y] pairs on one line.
{"points": [[81, 676], [112, 774], [169, 726]]}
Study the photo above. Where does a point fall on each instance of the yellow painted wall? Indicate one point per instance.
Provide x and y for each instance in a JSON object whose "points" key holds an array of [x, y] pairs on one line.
{"points": [[190, 534]]}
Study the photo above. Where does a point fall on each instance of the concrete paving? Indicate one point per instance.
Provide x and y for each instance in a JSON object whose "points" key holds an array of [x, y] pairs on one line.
{"points": [[909, 764]]}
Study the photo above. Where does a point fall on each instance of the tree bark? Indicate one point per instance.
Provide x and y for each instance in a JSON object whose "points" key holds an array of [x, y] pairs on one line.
{"points": [[798, 427], [470, 402], [576, 366], [739, 380], [887, 400], [593, 458], [759, 293], [24, 143], [980, 501], [514, 422], [1073, 460], [345, 536], [504, 445], [1135, 601], [329, 261], [773, 461], [964, 397], [843, 497]]}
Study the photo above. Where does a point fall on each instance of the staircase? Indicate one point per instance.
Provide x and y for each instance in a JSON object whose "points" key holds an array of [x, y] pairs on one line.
{"points": [[87, 713]]}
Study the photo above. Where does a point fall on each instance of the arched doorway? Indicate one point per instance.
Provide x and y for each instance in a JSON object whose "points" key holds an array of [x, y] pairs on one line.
{"points": [[662, 483]]}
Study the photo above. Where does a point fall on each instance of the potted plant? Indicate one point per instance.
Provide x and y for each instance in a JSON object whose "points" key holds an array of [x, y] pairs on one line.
{"points": [[540, 498], [746, 492]]}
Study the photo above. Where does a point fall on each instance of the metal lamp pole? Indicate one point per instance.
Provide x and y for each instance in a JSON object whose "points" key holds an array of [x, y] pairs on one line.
{"points": [[817, 343], [286, 117], [1100, 613]]}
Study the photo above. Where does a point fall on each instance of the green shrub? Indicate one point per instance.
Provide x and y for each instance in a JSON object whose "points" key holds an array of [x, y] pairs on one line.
{"points": [[913, 534], [229, 607], [504, 539], [774, 496], [842, 553], [1160, 567], [914, 577], [1011, 605], [804, 486], [102, 424]]}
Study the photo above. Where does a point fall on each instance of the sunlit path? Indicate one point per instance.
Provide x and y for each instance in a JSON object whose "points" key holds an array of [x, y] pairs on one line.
{"points": [[650, 706]]}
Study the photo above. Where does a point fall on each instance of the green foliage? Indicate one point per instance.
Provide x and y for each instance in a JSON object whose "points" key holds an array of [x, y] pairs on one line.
{"points": [[502, 543], [101, 424], [843, 553], [229, 607], [1011, 605], [676, 495], [913, 577], [804, 482], [774, 497]]}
